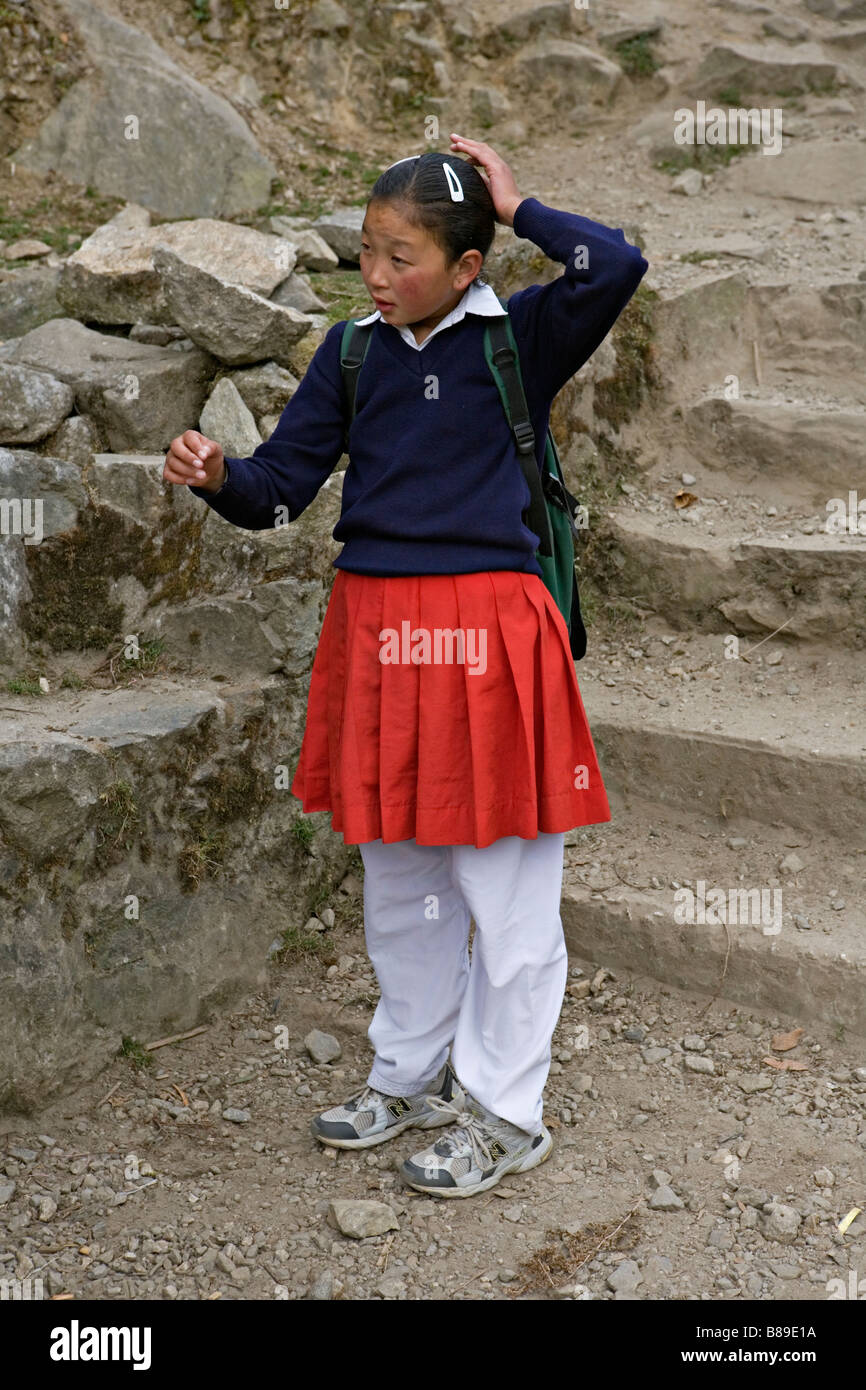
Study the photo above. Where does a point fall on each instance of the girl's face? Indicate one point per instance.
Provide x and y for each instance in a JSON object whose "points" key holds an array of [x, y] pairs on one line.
{"points": [[406, 272]]}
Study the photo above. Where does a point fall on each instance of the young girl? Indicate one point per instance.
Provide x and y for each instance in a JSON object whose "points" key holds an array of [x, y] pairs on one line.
{"points": [[445, 729]]}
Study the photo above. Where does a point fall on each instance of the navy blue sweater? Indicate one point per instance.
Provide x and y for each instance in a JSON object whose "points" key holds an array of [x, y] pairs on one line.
{"points": [[434, 483]]}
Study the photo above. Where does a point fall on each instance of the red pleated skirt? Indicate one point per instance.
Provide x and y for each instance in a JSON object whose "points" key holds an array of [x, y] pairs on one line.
{"points": [[445, 709]]}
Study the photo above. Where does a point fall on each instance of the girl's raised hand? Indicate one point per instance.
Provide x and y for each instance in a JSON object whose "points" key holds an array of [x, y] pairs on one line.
{"points": [[495, 173]]}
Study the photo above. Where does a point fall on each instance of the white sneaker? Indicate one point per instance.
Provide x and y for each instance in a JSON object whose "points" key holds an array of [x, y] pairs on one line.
{"points": [[370, 1117]]}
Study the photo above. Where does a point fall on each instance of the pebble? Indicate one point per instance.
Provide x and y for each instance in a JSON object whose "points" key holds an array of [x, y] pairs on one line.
{"points": [[7, 1191], [237, 1117], [791, 864], [781, 1223], [625, 1277], [654, 1054], [750, 1084], [688, 479], [802, 923], [322, 1288], [322, 1047], [47, 1208], [698, 1063], [693, 1042], [25, 1155], [824, 1177], [327, 916], [737, 842], [838, 904], [361, 1218], [634, 1034]]}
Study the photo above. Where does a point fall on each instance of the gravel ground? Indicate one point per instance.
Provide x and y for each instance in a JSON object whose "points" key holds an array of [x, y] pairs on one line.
{"points": [[684, 1166]]}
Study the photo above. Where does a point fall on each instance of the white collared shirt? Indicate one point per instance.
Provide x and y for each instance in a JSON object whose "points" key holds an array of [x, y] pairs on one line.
{"points": [[478, 299]]}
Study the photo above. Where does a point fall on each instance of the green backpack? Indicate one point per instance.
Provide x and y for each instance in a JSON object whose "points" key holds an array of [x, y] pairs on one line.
{"points": [[552, 508]]}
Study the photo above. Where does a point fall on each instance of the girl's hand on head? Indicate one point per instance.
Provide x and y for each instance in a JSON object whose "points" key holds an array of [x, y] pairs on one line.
{"points": [[195, 460], [495, 173]]}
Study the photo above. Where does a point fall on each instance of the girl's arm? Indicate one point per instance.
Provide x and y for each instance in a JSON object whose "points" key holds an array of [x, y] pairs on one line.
{"points": [[562, 323], [288, 469], [558, 326]]}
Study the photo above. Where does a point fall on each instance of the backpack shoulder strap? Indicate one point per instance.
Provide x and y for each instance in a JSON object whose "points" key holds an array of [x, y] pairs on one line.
{"points": [[500, 350], [353, 350]]}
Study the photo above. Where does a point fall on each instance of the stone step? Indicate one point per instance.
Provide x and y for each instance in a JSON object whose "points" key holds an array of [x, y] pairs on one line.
{"points": [[719, 578], [809, 451], [792, 331], [739, 740], [676, 898]]}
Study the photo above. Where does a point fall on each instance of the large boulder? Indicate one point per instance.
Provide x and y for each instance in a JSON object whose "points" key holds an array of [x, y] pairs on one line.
{"points": [[140, 127], [138, 395], [111, 278]]}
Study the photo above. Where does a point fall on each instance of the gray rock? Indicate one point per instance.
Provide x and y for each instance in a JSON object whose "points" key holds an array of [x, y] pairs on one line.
{"points": [[654, 1054], [780, 1223], [229, 320], [693, 1062], [7, 1192], [266, 389], [322, 1047], [625, 1278], [633, 1034], [665, 1199], [755, 69], [28, 297], [751, 1084], [32, 404], [226, 419], [83, 137], [237, 1117], [693, 1042], [296, 292], [688, 182], [791, 864], [341, 230], [574, 74], [322, 1287], [76, 440], [361, 1218], [311, 250], [47, 1208], [135, 393]]}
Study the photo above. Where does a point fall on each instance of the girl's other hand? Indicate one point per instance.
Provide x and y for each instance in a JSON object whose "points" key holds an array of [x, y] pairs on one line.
{"points": [[195, 460], [495, 173]]}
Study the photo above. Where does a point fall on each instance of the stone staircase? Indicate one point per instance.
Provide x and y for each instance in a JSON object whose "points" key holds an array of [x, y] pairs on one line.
{"points": [[740, 765]]}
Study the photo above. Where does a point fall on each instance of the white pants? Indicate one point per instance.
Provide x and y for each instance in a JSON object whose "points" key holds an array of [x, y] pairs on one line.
{"points": [[499, 1015]]}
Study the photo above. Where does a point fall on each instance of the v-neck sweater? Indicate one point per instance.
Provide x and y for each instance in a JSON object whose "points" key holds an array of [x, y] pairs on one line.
{"points": [[434, 483]]}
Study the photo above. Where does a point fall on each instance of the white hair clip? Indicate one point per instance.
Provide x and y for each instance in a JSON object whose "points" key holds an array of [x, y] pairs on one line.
{"points": [[455, 187]]}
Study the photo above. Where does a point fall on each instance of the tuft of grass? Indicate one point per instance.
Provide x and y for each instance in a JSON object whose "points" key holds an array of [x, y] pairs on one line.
{"points": [[636, 57], [303, 832], [24, 685], [135, 1053]]}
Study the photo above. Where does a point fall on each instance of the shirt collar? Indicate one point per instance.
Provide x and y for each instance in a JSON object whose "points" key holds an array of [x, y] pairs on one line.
{"points": [[478, 299]]}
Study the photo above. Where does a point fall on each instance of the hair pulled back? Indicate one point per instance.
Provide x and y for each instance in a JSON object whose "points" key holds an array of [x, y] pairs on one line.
{"points": [[421, 188]]}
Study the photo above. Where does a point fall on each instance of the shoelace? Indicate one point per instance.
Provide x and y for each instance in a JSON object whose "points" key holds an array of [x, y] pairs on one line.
{"points": [[472, 1126], [360, 1097]]}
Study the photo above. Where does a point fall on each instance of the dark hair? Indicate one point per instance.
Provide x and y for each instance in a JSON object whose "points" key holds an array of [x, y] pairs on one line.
{"points": [[421, 185]]}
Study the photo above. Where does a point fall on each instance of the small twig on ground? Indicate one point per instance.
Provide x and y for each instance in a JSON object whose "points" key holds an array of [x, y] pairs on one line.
{"points": [[107, 1097], [177, 1037]]}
